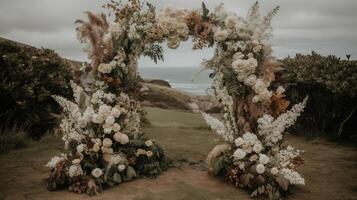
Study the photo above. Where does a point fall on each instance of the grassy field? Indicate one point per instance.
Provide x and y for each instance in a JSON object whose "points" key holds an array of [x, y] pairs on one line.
{"points": [[330, 169]]}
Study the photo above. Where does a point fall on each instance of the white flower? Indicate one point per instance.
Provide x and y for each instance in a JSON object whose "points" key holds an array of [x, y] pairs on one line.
{"points": [[108, 130], [292, 176], [110, 120], [104, 110], [107, 142], [121, 138], [54, 161], [257, 148], [97, 172], [75, 170], [249, 137], [121, 168], [116, 127], [221, 35], [115, 112], [148, 143], [80, 148], [96, 147], [274, 171], [253, 157], [239, 154], [260, 168], [263, 159], [98, 119], [239, 141]]}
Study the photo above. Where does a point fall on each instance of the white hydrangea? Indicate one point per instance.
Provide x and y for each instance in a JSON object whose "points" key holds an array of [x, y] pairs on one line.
{"points": [[75, 170]]}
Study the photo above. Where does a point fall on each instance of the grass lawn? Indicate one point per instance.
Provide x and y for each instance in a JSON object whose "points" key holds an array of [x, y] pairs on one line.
{"points": [[330, 170]]}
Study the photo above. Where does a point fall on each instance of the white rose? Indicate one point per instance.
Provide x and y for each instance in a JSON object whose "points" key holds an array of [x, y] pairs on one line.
{"points": [[115, 112], [121, 168], [104, 109], [251, 80], [97, 172], [116, 127], [148, 143], [239, 141], [107, 130], [239, 154], [110, 120], [257, 148], [260, 169], [253, 157], [263, 159], [98, 119], [96, 147], [274, 171], [107, 142], [121, 138]]}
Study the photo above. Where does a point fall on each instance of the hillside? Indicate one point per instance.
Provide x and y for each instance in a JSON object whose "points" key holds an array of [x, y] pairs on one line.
{"points": [[157, 93]]}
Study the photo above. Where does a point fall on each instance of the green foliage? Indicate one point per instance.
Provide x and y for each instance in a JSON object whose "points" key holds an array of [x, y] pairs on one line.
{"points": [[337, 75], [155, 53], [28, 77], [331, 84], [12, 137]]}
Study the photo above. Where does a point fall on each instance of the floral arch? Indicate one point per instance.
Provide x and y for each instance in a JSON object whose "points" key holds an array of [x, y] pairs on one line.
{"points": [[102, 127]]}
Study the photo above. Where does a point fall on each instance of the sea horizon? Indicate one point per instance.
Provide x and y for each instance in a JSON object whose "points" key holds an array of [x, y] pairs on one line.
{"points": [[180, 78]]}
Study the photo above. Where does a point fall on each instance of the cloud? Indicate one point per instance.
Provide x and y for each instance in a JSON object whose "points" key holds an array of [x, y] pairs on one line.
{"points": [[327, 26]]}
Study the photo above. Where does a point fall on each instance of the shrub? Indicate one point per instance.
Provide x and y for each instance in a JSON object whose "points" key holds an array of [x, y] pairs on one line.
{"points": [[331, 84], [12, 137], [28, 77]]}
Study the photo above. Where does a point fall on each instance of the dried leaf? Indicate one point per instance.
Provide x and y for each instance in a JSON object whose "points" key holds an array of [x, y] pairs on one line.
{"points": [[283, 182]]}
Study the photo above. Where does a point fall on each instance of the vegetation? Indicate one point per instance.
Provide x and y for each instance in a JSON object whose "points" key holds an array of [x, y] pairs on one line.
{"points": [[331, 83], [28, 77]]}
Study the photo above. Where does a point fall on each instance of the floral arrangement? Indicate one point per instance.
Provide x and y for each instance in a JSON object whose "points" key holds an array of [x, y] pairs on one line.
{"points": [[104, 145], [101, 129], [253, 155]]}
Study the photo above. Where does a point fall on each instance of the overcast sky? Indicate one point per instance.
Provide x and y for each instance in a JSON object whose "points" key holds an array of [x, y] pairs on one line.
{"points": [[327, 26]]}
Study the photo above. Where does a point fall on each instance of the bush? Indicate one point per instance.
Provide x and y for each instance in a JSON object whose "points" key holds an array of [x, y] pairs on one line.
{"points": [[331, 84], [28, 77]]}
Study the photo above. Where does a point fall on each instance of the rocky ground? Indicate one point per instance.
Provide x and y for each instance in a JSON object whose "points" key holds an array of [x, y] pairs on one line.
{"points": [[330, 169]]}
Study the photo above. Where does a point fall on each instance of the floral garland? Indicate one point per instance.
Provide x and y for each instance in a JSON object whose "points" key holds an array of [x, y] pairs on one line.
{"points": [[101, 129]]}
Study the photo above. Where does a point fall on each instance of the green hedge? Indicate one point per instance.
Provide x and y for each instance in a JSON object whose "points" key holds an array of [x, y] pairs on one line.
{"points": [[331, 84], [28, 77]]}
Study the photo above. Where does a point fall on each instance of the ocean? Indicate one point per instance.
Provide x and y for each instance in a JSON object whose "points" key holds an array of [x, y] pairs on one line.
{"points": [[180, 78]]}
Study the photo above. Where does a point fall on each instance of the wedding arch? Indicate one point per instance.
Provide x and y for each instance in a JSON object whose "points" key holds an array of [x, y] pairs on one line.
{"points": [[102, 127]]}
